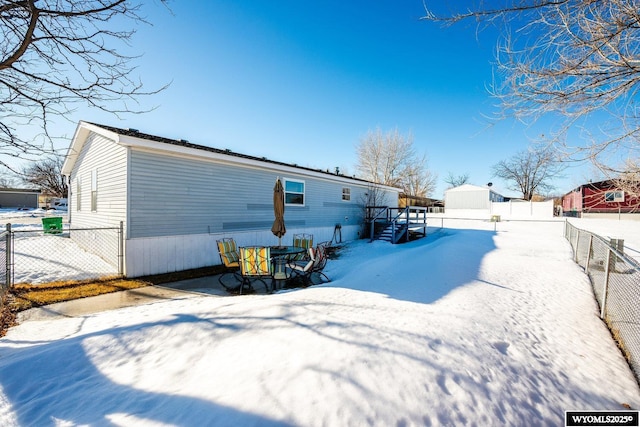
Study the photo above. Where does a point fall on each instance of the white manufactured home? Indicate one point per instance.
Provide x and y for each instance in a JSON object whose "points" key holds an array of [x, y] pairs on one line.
{"points": [[175, 199]]}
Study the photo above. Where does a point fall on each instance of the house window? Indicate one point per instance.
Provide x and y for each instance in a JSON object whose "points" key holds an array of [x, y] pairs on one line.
{"points": [[78, 193], [94, 190], [614, 196], [294, 193], [346, 193]]}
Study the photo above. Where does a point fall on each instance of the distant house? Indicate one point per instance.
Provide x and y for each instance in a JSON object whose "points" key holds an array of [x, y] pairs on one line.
{"points": [[597, 199], [472, 201], [175, 199], [19, 198], [434, 205]]}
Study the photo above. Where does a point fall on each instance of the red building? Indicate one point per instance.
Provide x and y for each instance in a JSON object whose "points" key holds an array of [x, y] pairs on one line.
{"points": [[599, 198]]}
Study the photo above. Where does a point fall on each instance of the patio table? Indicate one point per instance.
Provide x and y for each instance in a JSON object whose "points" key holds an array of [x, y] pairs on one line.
{"points": [[280, 255]]}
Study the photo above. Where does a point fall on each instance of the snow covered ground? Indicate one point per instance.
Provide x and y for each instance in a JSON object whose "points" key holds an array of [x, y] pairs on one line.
{"points": [[30, 219], [42, 258], [469, 326], [612, 229]]}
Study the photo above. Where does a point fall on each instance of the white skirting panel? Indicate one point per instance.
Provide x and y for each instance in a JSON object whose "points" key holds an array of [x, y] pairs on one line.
{"points": [[167, 254], [157, 255]]}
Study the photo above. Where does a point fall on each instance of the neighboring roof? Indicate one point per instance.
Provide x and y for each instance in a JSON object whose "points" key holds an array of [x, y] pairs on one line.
{"points": [[133, 137], [600, 185], [470, 187], [466, 187], [19, 190]]}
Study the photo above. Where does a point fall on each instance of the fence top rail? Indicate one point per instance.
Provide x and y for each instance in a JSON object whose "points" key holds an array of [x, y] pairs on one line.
{"points": [[64, 230], [417, 208], [632, 262]]}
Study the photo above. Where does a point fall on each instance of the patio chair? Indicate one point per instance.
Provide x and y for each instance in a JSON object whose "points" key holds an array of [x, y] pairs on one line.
{"points": [[255, 264], [321, 258], [305, 241], [229, 256], [306, 269]]}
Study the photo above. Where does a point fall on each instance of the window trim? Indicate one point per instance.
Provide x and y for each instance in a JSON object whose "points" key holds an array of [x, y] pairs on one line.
{"points": [[78, 193], [304, 191], [617, 196], [94, 190], [346, 193]]}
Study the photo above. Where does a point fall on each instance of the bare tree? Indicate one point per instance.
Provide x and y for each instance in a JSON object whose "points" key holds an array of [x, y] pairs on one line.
{"points": [[418, 180], [530, 171], [47, 176], [575, 59], [55, 55], [391, 159], [372, 199], [456, 180], [8, 179]]}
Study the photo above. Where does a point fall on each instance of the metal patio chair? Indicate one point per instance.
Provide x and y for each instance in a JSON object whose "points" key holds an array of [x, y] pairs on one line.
{"points": [[228, 251], [303, 240], [256, 265], [305, 270]]}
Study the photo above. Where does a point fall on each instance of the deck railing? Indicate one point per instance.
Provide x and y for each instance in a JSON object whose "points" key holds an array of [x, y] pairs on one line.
{"points": [[398, 220]]}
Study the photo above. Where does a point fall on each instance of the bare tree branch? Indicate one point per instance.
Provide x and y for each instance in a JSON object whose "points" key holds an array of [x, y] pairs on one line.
{"points": [[46, 175], [530, 172], [390, 159], [456, 180], [570, 59], [58, 54]]}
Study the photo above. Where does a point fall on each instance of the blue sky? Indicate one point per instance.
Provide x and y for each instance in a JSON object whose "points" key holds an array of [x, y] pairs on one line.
{"points": [[303, 83]]}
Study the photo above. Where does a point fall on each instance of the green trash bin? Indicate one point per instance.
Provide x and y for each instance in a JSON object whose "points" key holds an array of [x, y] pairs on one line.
{"points": [[52, 225]]}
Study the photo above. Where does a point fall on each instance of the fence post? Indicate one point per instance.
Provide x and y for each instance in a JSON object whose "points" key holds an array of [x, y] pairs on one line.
{"points": [[393, 232], [9, 281], [575, 251], [372, 229], [121, 249], [605, 287], [618, 246], [586, 263]]}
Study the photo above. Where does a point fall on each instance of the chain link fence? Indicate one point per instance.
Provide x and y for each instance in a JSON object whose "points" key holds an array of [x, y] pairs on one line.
{"points": [[4, 266], [40, 256], [616, 284]]}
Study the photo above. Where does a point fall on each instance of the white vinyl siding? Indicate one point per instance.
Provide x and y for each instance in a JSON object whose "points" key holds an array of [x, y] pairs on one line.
{"points": [[179, 195], [100, 153]]}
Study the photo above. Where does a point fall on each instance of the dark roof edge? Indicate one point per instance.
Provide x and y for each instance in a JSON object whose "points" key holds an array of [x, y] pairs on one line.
{"points": [[21, 190], [183, 143]]}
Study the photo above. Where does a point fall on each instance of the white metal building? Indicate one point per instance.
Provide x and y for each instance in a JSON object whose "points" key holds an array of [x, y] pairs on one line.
{"points": [[472, 201]]}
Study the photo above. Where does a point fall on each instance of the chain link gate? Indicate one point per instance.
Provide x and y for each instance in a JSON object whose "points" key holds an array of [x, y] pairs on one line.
{"points": [[41, 256]]}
